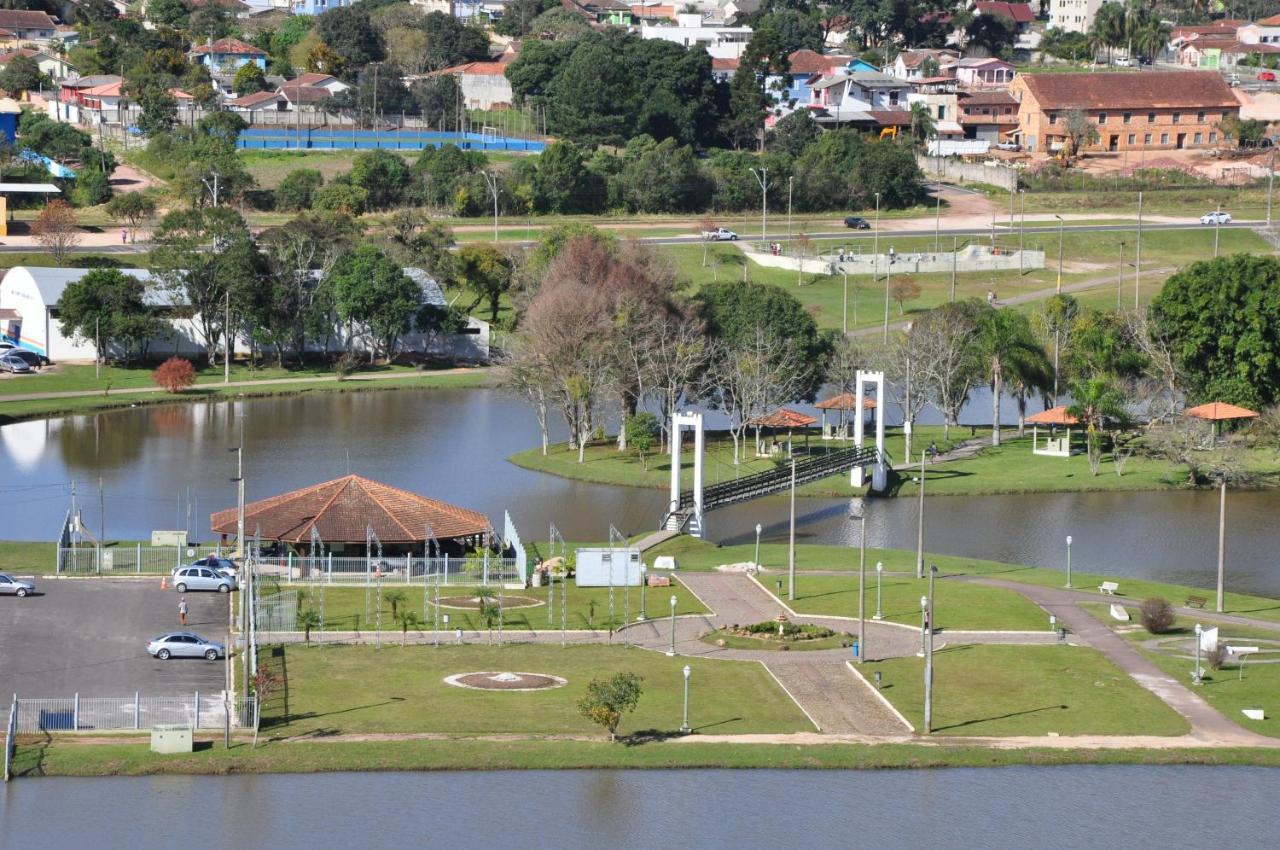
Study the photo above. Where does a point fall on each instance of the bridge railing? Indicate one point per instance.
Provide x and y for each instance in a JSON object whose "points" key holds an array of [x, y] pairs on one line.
{"points": [[810, 470]]}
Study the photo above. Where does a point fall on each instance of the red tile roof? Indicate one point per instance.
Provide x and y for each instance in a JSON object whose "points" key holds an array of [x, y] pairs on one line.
{"points": [[482, 69], [1019, 13], [813, 62], [998, 97], [718, 64], [305, 94], [343, 509], [783, 417], [1273, 21], [1053, 416], [846, 401], [1216, 411], [1149, 89], [250, 100], [19, 19], [311, 79], [229, 46]]}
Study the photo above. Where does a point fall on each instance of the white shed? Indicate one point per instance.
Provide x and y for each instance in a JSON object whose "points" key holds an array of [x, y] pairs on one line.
{"points": [[616, 567]]}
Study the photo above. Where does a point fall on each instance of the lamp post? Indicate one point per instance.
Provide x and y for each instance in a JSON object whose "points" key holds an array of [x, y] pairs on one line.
{"points": [[928, 666], [879, 577], [924, 625], [861, 516], [888, 277], [672, 652], [920, 522], [762, 177], [1022, 229], [875, 252], [1059, 286], [759, 528], [791, 540], [1217, 229], [1120, 278], [1197, 675], [1222, 536], [1068, 561], [684, 727], [1137, 258]]}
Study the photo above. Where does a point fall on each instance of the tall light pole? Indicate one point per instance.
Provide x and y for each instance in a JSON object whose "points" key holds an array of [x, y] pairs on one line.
{"points": [[937, 219], [844, 304], [1068, 560], [928, 663], [1217, 229], [1271, 179], [1197, 675], [684, 727], [955, 254], [762, 177], [1022, 227], [1222, 536], [879, 578], [671, 653], [933, 574], [791, 539], [1120, 278], [790, 184], [759, 528], [875, 245], [1059, 286], [491, 180], [861, 516], [1137, 259], [888, 276], [920, 521]]}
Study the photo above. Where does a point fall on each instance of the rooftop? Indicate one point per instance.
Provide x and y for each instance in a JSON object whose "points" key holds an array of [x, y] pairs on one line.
{"points": [[845, 401], [783, 417], [19, 19], [1146, 90], [1019, 13], [228, 45], [1053, 416], [1218, 411]]}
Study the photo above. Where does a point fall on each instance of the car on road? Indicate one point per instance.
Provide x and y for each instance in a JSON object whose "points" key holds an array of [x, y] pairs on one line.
{"points": [[1122, 62], [720, 234], [1233, 80], [202, 578], [184, 645], [1008, 146], [1267, 76], [16, 586], [11, 362], [1215, 217], [213, 562], [857, 222]]}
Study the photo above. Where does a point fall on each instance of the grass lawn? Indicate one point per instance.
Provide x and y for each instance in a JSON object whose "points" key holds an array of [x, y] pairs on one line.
{"points": [[345, 689], [957, 605], [588, 607], [1026, 690]]}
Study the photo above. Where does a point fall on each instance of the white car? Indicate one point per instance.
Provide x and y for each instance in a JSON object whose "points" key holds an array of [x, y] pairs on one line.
{"points": [[1215, 217], [720, 234]]}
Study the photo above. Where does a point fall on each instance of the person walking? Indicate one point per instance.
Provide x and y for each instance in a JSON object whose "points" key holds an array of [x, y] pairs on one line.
{"points": [[182, 611]]}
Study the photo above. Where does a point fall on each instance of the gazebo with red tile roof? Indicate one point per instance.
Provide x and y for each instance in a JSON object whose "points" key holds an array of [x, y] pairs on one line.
{"points": [[1054, 417], [783, 417], [1218, 412], [844, 403], [343, 510]]}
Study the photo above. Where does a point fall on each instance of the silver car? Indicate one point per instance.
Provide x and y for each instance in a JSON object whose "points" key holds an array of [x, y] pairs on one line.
{"points": [[202, 578], [16, 586], [184, 645]]}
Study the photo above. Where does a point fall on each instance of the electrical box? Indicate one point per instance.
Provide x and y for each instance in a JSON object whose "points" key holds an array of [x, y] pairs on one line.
{"points": [[171, 738]]}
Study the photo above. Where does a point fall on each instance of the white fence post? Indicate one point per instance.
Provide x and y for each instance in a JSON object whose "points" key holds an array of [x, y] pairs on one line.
{"points": [[446, 568], [75, 714], [196, 713], [137, 555], [330, 568], [408, 567], [137, 714]]}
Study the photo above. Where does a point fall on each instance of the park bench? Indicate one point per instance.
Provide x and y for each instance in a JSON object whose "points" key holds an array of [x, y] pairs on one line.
{"points": [[1196, 601], [1109, 588]]}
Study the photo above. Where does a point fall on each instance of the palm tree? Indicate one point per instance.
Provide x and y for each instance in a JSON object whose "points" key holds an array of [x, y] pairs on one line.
{"points": [[394, 597], [1097, 402], [408, 620], [1010, 350], [308, 619], [489, 610], [922, 126]]}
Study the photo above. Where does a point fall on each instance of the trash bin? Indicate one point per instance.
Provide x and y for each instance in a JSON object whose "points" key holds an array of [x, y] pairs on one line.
{"points": [[856, 649], [171, 738]]}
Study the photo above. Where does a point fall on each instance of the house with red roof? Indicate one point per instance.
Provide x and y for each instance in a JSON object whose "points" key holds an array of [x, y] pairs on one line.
{"points": [[227, 55], [48, 62], [28, 26]]}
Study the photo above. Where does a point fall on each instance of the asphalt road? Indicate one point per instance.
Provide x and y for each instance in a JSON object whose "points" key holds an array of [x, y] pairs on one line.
{"points": [[89, 636]]}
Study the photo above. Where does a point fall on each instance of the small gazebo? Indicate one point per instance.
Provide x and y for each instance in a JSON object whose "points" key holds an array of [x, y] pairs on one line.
{"points": [[1054, 445], [783, 417], [845, 402], [1217, 412]]}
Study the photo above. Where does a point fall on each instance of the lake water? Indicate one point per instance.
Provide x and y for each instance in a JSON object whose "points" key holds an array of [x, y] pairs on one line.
{"points": [[169, 467], [1013, 807]]}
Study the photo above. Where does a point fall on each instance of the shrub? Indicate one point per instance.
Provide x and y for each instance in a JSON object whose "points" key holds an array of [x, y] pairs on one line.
{"points": [[345, 365], [1216, 657], [296, 190], [174, 375], [1157, 615]]}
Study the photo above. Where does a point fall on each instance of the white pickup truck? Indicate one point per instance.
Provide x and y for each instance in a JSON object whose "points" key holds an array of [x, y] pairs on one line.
{"points": [[720, 234]]}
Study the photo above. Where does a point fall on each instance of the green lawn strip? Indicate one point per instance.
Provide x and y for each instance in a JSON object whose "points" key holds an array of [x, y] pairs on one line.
{"points": [[342, 689], [65, 757], [1026, 690], [13, 411], [958, 605], [588, 607]]}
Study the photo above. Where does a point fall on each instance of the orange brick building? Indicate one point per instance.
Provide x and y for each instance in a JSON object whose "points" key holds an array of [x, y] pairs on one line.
{"points": [[1149, 110]]}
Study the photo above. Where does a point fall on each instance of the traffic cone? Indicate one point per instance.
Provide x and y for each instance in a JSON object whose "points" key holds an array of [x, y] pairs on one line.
{"points": [[164, 582]]}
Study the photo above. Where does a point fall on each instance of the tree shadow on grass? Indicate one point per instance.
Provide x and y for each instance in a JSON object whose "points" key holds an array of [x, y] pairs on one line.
{"points": [[653, 736], [1002, 717]]}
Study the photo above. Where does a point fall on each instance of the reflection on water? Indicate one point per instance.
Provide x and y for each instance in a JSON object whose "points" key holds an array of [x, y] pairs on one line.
{"points": [[1016, 807], [161, 465]]}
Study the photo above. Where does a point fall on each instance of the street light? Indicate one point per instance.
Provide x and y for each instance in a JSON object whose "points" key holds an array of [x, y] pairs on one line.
{"points": [[1197, 675], [1068, 560], [879, 577], [1222, 537], [684, 727], [759, 528], [671, 653], [924, 624], [860, 514], [928, 666], [888, 276], [1059, 218], [920, 522]]}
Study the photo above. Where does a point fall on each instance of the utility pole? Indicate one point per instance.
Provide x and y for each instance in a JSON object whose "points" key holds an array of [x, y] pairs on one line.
{"points": [[1222, 536], [875, 246], [1271, 179], [862, 586], [97, 348], [955, 251], [1022, 230], [790, 185], [919, 519], [844, 306], [1137, 259], [1059, 286], [791, 540], [102, 529], [888, 276], [1120, 278], [762, 177], [226, 350], [492, 181], [1217, 228], [927, 604], [937, 220]]}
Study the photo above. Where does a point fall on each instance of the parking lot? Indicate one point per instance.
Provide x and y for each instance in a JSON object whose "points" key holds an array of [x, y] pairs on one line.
{"points": [[89, 636]]}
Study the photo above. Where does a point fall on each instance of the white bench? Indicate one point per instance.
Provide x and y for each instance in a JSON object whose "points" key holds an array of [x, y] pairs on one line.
{"points": [[1109, 588]]}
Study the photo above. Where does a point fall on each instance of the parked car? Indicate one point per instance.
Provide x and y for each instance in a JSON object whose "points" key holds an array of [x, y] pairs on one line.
{"points": [[1009, 146], [202, 578], [1215, 217], [1267, 76], [184, 645], [35, 361], [1233, 80], [720, 234], [16, 586], [213, 562], [11, 362], [1122, 62], [857, 222]]}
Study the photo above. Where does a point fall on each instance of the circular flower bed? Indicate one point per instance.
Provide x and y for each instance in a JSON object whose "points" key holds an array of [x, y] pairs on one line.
{"points": [[505, 681]]}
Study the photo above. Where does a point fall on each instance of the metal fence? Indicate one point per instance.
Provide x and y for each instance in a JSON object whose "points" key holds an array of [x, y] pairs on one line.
{"points": [[10, 734], [135, 559], [399, 569], [277, 612], [93, 714]]}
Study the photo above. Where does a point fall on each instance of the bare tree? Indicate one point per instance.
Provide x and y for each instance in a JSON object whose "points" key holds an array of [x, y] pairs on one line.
{"points": [[902, 366], [529, 375], [676, 356], [56, 229], [847, 358], [749, 379], [1158, 392], [949, 362]]}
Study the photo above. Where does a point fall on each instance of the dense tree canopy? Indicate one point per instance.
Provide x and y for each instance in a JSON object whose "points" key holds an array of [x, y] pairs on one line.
{"points": [[107, 305]]}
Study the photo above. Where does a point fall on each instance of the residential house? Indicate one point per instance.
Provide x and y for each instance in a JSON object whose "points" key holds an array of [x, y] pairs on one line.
{"points": [[66, 36], [318, 7], [939, 98], [89, 100], [50, 64], [1149, 111], [484, 85], [805, 67], [8, 40], [731, 10], [304, 93], [1265, 31], [27, 26], [228, 55], [984, 73], [988, 115], [609, 12], [653, 11], [1019, 16], [328, 82], [1224, 44], [691, 30], [722, 70], [467, 10], [1074, 15], [865, 99], [911, 64]]}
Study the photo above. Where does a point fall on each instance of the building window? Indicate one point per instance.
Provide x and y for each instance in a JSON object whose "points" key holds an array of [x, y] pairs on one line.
{"points": [[942, 112], [1133, 137], [1199, 117], [1053, 118], [1151, 118], [1213, 137], [1177, 117], [1102, 117], [1146, 138], [1197, 138], [1128, 117], [1164, 138]]}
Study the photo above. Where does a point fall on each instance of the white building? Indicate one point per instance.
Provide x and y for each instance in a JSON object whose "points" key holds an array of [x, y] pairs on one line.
{"points": [[1073, 15], [691, 30], [484, 85]]}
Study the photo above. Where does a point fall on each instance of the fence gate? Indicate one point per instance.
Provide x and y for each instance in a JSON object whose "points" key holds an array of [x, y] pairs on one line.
{"points": [[277, 612]]}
